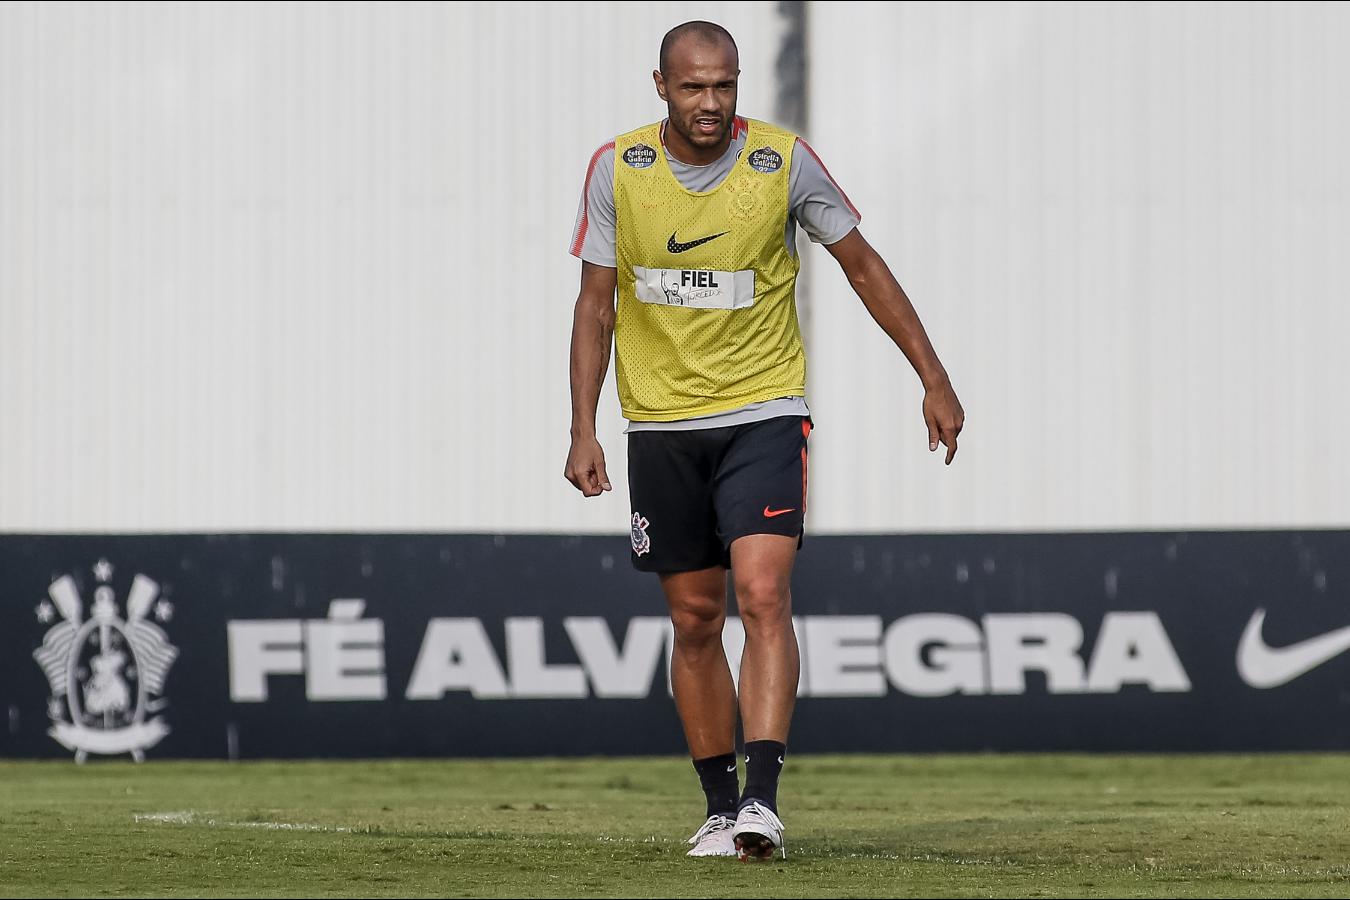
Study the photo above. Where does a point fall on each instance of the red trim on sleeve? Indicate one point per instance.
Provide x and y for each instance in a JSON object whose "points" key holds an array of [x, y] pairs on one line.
{"points": [[851, 207], [586, 200]]}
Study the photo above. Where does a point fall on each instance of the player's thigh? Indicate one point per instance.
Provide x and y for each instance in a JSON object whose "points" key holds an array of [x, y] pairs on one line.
{"points": [[761, 480], [673, 524]]}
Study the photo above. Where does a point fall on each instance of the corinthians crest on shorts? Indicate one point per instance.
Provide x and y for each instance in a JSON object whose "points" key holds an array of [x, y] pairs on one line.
{"points": [[105, 672], [641, 542]]}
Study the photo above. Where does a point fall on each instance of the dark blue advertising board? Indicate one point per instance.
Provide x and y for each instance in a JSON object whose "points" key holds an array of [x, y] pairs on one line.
{"points": [[351, 645]]}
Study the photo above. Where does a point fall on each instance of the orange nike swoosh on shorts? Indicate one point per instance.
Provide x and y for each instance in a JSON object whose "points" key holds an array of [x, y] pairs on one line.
{"points": [[770, 513]]}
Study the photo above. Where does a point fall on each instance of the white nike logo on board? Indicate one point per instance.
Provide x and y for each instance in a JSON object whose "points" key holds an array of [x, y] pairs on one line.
{"points": [[1263, 666]]}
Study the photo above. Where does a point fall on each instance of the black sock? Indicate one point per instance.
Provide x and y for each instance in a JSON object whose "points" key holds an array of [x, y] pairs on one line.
{"points": [[720, 784], [763, 763]]}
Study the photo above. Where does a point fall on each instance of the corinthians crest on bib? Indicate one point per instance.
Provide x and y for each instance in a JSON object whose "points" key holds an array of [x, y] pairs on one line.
{"points": [[105, 672]]}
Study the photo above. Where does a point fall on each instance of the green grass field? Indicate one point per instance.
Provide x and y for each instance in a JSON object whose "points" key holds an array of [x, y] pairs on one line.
{"points": [[933, 826]]}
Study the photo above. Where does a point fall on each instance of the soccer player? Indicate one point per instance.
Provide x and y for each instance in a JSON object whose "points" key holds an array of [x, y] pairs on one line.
{"points": [[693, 221]]}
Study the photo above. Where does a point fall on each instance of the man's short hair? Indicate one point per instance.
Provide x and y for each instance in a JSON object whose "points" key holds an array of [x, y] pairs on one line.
{"points": [[708, 32]]}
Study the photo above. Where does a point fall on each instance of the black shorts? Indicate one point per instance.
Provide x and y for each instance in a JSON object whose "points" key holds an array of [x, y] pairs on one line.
{"points": [[694, 492]]}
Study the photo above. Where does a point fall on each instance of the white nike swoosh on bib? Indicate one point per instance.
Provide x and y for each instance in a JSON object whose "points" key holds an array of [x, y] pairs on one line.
{"points": [[1263, 666]]}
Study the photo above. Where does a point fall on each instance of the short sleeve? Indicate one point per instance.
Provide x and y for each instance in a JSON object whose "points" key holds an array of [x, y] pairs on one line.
{"points": [[816, 201], [593, 235]]}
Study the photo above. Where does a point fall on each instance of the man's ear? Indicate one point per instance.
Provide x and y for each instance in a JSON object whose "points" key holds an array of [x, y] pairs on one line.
{"points": [[660, 84]]}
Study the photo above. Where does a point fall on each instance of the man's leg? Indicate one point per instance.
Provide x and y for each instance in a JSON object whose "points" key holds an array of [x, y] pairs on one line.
{"points": [[761, 508], [761, 566], [674, 525], [705, 697]]}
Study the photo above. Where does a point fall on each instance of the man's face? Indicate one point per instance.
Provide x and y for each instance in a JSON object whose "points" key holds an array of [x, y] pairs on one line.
{"points": [[699, 88]]}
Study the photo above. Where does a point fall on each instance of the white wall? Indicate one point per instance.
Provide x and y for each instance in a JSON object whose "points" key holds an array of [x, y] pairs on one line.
{"points": [[285, 266], [304, 266], [1126, 229]]}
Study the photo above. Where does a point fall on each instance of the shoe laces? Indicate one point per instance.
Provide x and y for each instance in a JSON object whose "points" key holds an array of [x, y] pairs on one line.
{"points": [[764, 814], [714, 824]]}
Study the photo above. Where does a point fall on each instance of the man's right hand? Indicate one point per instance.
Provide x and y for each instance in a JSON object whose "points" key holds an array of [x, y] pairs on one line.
{"points": [[586, 467]]}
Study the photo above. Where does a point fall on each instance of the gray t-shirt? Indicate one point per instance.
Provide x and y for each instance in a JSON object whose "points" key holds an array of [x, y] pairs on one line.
{"points": [[815, 202]]}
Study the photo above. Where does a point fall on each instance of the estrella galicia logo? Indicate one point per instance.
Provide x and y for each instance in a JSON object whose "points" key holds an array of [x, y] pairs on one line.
{"points": [[766, 160], [639, 156], [105, 672]]}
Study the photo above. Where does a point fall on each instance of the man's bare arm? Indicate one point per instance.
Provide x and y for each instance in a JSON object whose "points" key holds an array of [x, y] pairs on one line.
{"points": [[592, 335], [886, 301]]}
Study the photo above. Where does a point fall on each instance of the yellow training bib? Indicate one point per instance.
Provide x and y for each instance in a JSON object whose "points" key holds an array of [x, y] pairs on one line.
{"points": [[707, 315]]}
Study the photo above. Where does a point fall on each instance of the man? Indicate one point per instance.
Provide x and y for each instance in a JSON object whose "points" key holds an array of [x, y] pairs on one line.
{"points": [[693, 221]]}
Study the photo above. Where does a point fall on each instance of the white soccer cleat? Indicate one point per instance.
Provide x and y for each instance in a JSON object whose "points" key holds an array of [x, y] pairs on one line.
{"points": [[714, 838], [758, 832]]}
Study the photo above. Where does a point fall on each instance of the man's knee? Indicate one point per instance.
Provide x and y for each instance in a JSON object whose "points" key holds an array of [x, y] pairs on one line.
{"points": [[698, 620], [763, 599]]}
